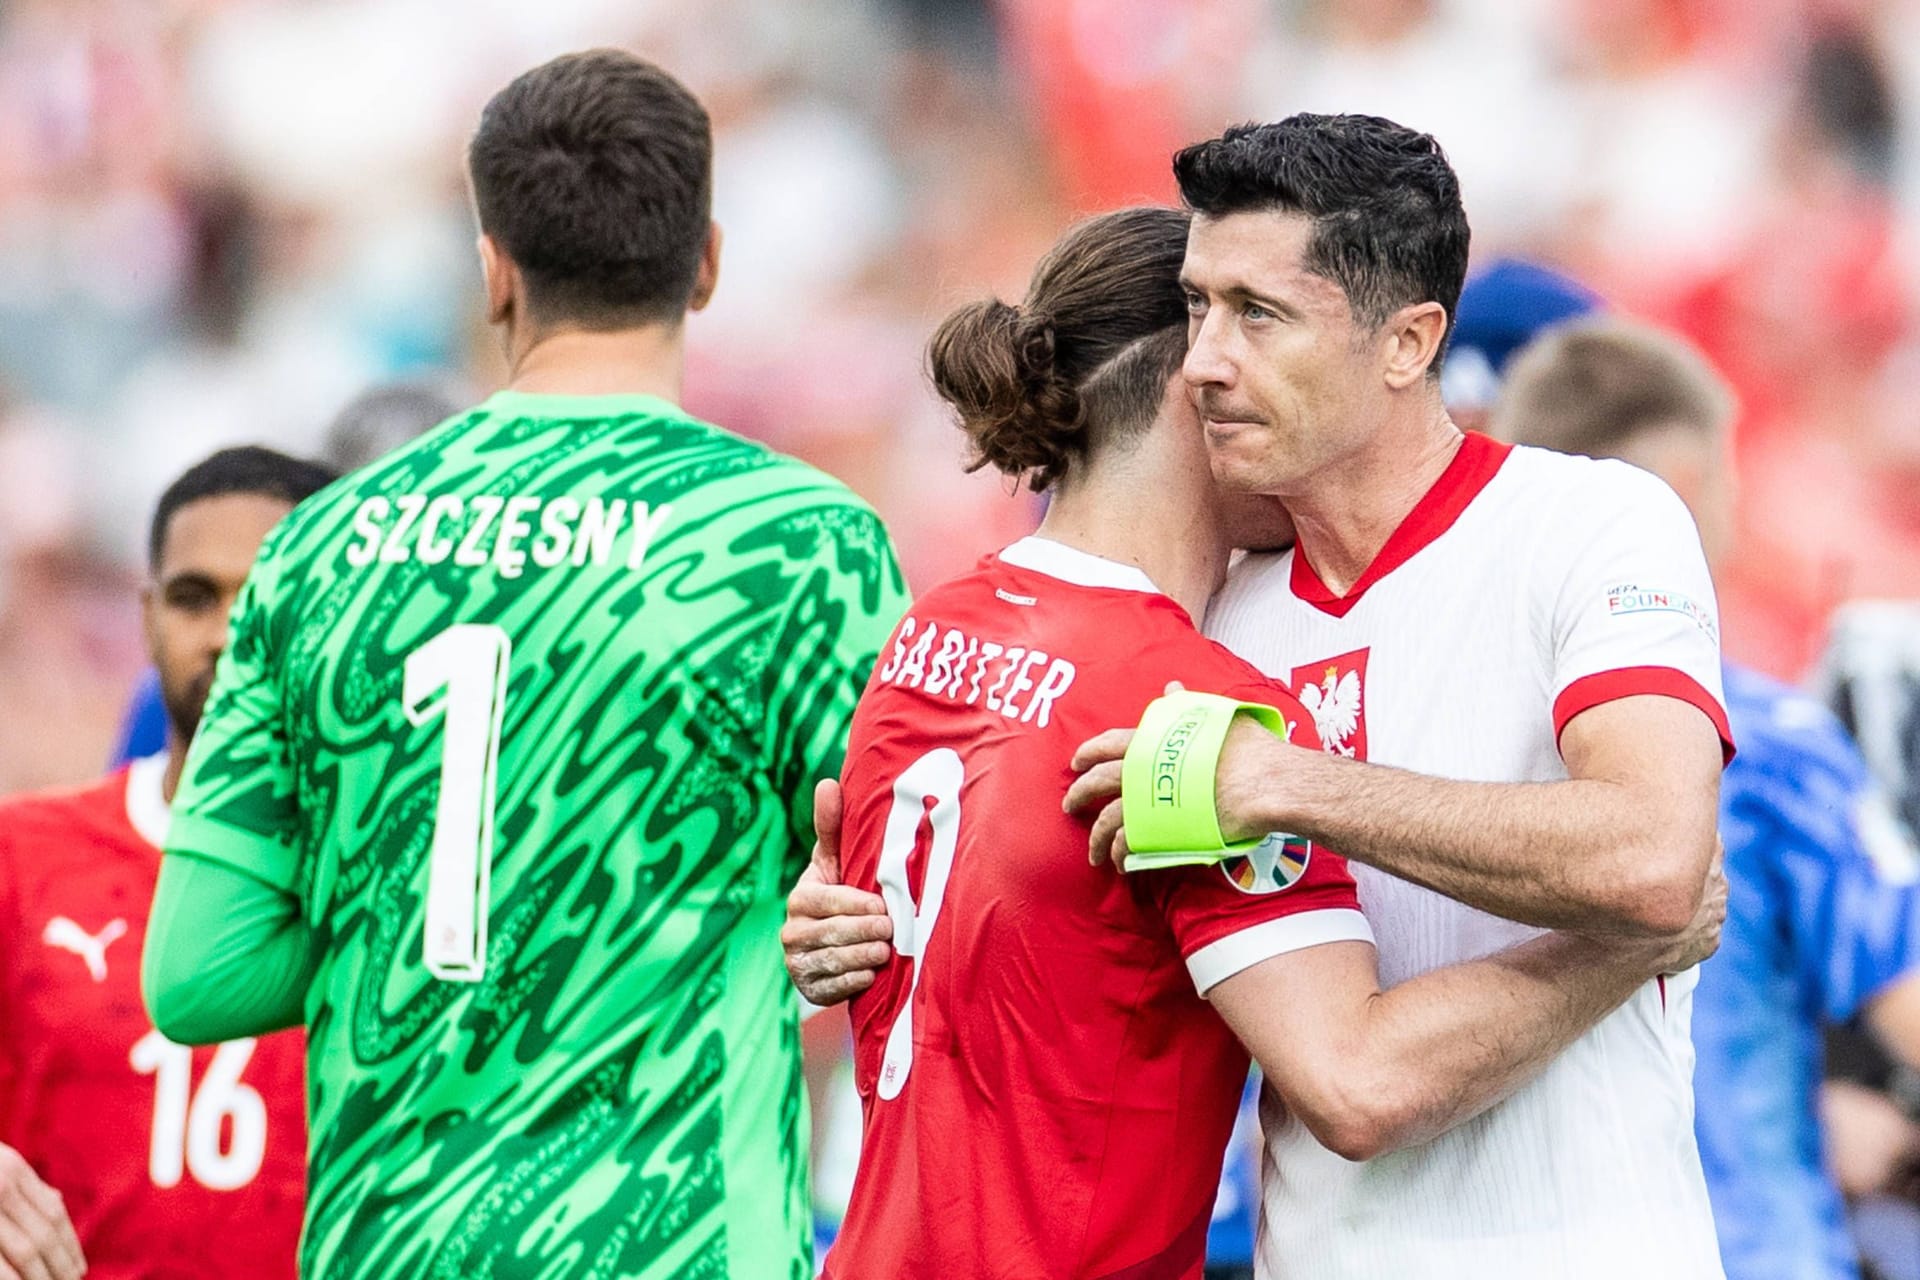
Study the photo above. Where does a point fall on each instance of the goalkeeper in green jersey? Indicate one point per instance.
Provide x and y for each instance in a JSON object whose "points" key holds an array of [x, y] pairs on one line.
{"points": [[504, 773]]}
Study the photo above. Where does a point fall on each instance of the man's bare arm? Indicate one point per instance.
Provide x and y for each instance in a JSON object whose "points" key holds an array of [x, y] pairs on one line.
{"points": [[1623, 845], [1370, 1072]]}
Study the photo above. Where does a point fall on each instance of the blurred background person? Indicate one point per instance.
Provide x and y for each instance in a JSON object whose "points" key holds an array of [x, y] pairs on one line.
{"points": [[1870, 676], [158, 1150], [1503, 307], [1824, 904], [386, 416], [377, 421]]}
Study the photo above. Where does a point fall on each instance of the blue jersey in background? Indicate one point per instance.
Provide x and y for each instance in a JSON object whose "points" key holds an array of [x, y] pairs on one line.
{"points": [[1236, 1207], [143, 732], [1823, 911]]}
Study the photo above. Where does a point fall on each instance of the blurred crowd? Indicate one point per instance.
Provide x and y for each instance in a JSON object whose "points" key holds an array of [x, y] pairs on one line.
{"points": [[223, 220]]}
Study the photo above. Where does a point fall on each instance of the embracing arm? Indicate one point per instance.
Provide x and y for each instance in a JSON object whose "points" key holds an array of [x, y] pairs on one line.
{"points": [[1370, 1072], [836, 937], [1622, 845]]}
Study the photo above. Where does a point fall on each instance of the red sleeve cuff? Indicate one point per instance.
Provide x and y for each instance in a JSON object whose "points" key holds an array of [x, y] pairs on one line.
{"points": [[1626, 682]]}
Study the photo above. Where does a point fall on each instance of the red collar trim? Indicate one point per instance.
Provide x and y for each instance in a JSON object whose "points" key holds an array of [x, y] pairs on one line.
{"points": [[1478, 461]]}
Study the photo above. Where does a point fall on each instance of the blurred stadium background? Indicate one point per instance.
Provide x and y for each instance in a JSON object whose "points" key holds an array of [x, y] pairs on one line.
{"points": [[221, 220]]}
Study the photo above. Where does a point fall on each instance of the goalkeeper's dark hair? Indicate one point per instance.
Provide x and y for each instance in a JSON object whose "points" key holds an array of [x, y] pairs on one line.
{"points": [[249, 469], [594, 173], [1083, 361]]}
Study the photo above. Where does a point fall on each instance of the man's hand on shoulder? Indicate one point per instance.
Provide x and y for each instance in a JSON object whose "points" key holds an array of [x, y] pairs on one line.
{"points": [[1255, 772], [36, 1237], [836, 937]]}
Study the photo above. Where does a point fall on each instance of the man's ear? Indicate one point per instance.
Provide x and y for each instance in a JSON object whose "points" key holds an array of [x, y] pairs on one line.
{"points": [[707, 277], [1411, 341], [501, 277]]}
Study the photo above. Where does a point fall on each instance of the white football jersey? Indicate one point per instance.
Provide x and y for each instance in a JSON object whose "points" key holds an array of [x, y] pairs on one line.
{"points": [[1525, 588]]}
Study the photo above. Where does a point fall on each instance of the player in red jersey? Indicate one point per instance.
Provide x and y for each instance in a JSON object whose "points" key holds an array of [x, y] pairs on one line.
{"points": [[172, 1162], [1050, 1069]]}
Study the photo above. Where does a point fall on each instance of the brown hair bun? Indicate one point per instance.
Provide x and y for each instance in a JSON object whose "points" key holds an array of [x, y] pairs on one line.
{"points": [[1084, 362], [995, 365]]}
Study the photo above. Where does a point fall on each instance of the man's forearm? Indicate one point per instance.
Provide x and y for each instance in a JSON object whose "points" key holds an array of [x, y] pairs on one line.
{"points": [[1442, 1048], [1571, 854], [1369, 1072]]}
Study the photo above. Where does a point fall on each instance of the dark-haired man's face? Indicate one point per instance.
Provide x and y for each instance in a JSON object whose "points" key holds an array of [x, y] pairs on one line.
{"points": [[1244, 520], [1276, 363], [209, 546]]}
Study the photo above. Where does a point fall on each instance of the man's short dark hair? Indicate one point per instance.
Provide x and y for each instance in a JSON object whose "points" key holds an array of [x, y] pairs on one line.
{"points": [[1388, 226], [594, 173], [249, 469]]}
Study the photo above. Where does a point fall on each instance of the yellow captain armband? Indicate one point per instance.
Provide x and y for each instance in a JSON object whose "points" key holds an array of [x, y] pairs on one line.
{"points": [[1167, 778]]}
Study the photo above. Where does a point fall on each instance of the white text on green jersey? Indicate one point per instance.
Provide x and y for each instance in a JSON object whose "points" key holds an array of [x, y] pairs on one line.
{"points": [[507, 534]]}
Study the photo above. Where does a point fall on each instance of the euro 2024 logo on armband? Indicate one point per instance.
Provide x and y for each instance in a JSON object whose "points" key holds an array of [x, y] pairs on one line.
{"points": [[1274, 864]]}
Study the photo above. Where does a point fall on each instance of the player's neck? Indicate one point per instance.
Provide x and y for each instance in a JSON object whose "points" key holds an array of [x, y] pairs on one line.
{"points": [[577, 362], [1174, 541], [1347, 513]]}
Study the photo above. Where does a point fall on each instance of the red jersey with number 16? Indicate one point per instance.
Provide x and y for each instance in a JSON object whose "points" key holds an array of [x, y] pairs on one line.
{"points": [[1046, 1092], [174, 1162]]}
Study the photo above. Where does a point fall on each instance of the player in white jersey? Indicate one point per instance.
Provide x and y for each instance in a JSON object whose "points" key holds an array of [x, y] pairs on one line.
{"points": [[1527, 640], [1513, 661]]}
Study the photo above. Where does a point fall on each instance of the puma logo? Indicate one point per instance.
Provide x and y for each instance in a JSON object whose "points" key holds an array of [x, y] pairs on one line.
{"points": [[92, 948]]}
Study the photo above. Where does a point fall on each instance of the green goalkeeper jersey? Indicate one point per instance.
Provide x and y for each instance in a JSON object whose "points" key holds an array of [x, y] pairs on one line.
{"points": [[527, 716]]}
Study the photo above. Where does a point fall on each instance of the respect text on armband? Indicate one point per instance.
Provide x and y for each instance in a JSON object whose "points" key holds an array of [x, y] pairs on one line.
{"points": [[1169, 759]]}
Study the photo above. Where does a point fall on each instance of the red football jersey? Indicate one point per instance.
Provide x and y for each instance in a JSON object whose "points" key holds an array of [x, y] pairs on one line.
{"points": [[174, 1162], [1046, 1092]]}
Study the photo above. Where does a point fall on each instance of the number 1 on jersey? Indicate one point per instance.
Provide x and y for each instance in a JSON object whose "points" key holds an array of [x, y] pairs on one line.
{"points": [[468, 662]]}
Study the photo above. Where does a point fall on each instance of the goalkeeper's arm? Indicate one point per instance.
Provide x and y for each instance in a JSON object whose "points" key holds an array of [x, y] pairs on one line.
{"points": [[228, 955]]}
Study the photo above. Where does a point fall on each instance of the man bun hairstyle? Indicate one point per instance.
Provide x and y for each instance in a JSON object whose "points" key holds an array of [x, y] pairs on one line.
{"points": [[1388, 225], [594, 173], [248, 469], [1083, 360]]}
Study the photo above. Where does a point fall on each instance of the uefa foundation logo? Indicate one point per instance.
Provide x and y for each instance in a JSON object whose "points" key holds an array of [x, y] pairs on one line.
{"points": [[1274, 864]]}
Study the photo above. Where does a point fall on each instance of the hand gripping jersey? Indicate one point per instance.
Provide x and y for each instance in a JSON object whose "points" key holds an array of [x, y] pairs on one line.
{"points": [[1046, 1093], [528, 715], [1823, 913], [1525, 588], [176, 1163]]}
